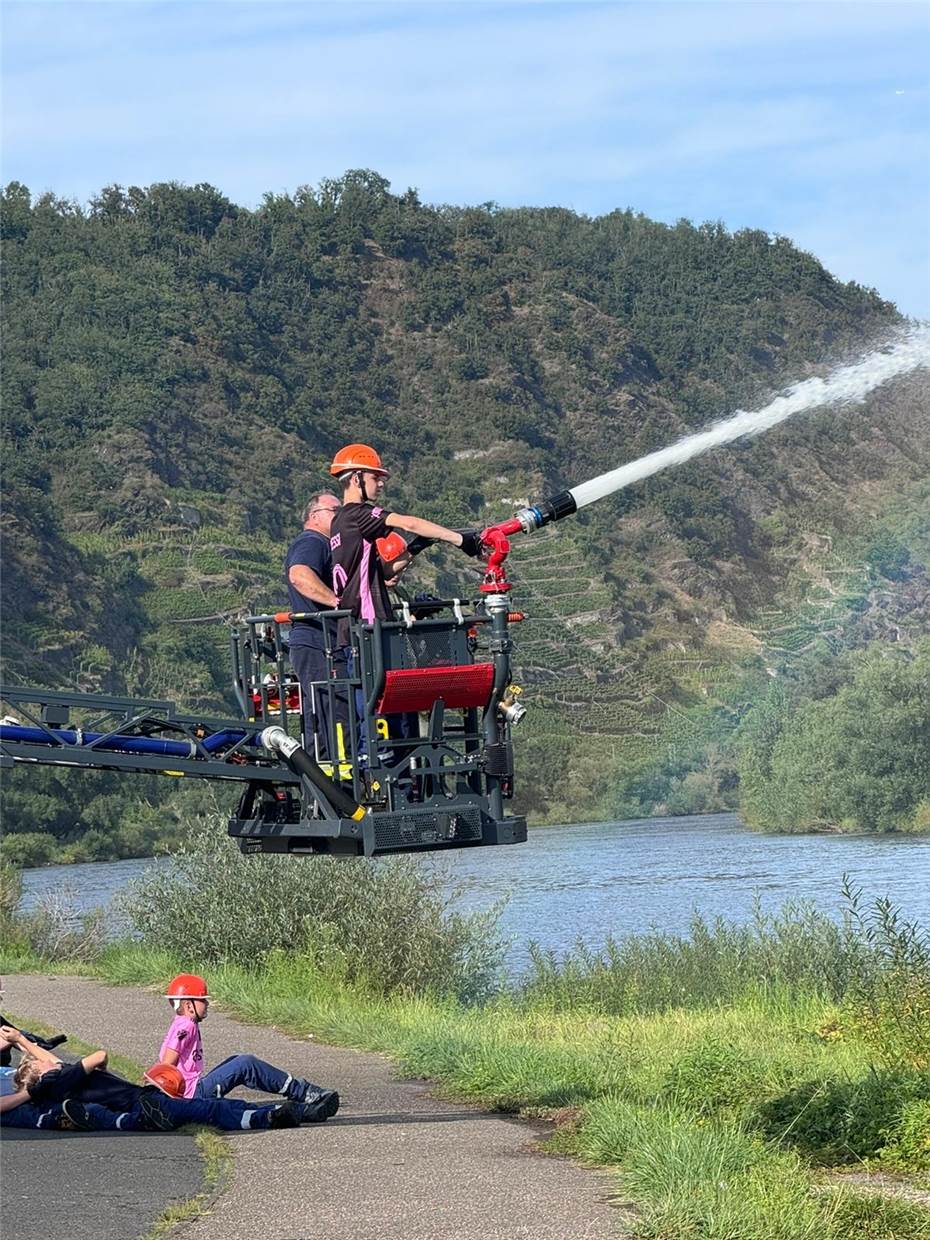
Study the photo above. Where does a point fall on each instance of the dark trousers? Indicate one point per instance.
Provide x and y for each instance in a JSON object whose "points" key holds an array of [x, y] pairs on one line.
{"points": [[31, 1115], [254, 1073], [230, 1114], [322, 707]]}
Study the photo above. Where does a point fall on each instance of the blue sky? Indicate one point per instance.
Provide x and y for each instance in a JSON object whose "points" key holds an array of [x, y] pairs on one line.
{"points": [[806, 119]]}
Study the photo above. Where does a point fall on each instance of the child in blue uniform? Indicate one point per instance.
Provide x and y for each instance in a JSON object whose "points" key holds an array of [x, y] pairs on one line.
{"points": [[183, 1048], [92, 1098]]}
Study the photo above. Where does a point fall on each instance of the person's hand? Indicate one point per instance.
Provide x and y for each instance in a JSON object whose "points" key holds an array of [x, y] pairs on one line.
{"points": [[397, 570], [9, 1035], [471, 543]]}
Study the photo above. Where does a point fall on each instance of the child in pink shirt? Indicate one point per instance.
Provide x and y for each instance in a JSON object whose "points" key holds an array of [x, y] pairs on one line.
{"points": [[183, 1048], [183, 1045]]}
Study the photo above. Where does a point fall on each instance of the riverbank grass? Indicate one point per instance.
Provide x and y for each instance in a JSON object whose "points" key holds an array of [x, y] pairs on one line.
{"points": [[719, 1121], [725, 1076]]}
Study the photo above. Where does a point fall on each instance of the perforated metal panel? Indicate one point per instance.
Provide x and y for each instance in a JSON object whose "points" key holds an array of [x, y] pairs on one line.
{"points": [[427, 827], [417, 688], [426, 647]]}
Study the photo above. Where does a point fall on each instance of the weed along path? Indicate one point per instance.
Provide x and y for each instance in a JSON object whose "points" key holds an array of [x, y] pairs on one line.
{"points": [[394, 1164]]}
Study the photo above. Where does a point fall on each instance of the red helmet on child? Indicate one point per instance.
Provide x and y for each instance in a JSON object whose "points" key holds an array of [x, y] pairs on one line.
{"points": [[187, 986], [167, 1078]]}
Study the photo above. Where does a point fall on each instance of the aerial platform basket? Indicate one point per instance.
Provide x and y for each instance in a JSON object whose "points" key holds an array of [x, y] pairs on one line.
{"points": [[412, 724], [403, 747]]}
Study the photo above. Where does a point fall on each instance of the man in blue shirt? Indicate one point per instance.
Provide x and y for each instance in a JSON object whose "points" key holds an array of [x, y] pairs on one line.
{"points": [[308, 571]]}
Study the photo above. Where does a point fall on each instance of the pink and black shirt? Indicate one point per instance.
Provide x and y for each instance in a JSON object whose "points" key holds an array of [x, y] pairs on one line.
{"points": [[358, 580]]}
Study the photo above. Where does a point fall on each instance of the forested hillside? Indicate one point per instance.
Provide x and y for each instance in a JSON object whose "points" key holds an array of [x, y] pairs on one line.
{"points": [[178, 370]]}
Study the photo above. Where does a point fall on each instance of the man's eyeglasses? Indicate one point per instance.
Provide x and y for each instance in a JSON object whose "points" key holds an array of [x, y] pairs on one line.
{"points": [[324, 508]]}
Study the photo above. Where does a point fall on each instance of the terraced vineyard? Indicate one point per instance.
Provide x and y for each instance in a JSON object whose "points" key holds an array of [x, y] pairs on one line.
{"points": [[821, 615], [594, 708]]}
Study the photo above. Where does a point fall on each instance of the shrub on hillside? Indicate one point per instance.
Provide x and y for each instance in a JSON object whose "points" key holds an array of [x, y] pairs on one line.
{"points": [[28, 848], [857, 758], [388, 925]]}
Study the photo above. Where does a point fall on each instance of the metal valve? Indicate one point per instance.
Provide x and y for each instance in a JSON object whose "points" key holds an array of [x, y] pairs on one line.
{"points": [[511, 709]]}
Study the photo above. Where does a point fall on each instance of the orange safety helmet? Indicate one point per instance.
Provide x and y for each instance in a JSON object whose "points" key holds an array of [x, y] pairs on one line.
{"points": [[391, 547], [167, 1078], [357, 456], [186, 986]]}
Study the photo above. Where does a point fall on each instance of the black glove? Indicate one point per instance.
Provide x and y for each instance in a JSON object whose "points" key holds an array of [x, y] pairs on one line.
{"points": [[471, 542], [418, 544]]}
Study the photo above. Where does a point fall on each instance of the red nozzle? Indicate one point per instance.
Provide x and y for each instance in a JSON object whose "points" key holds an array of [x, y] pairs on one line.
{"points": [[496, 539]]}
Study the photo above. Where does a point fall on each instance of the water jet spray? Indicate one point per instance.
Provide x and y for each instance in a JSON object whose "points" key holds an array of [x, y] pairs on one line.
{"points": [[845, 385]]}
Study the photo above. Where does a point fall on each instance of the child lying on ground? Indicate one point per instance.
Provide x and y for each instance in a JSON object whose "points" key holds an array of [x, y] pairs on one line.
{"points": [[183, 1048], [16, 1110], [92, 1098]]}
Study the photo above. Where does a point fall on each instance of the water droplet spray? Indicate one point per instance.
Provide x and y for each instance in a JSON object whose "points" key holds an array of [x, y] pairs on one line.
{"points": [[844, 386]]}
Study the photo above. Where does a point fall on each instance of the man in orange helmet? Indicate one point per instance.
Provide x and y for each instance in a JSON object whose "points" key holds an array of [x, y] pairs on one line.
{"points": [[359, 577]]}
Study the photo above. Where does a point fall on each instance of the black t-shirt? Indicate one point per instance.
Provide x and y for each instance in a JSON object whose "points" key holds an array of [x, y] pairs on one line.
{"points": [[357, 577], [311, 549], [71, 1081]]}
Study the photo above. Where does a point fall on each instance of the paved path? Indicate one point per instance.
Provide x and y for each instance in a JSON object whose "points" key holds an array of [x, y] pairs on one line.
{"points": [[394, 1164], [67, 1185], [72, 1186]]}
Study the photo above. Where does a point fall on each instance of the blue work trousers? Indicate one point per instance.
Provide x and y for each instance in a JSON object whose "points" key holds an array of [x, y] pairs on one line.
{"points": [[230, 1114], [254, 1074], [28, 1115]]}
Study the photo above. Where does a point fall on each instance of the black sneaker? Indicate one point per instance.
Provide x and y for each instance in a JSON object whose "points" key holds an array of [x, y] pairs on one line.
{"points": [[151, 1116], [76, 1116], [322, 1108], [313, 1094], [285, 1115]]}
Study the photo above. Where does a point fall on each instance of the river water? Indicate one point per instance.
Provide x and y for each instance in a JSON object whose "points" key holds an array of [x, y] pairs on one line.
{"points": [[584, 882]]}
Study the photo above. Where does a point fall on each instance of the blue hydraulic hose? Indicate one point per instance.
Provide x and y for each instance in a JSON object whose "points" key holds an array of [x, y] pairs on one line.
{"points": [[121, 744]]}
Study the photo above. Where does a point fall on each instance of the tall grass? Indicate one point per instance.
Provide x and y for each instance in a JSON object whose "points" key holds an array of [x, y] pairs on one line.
{"points": [[53, 930], [389, 926], [717, 1071], [871, 958], [889, 1004], [716, 1181]]}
